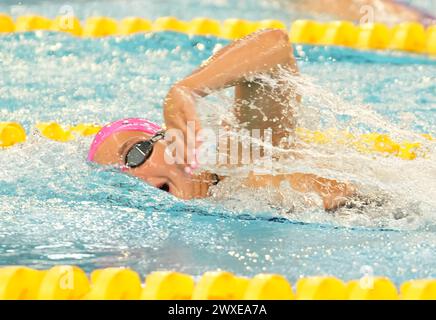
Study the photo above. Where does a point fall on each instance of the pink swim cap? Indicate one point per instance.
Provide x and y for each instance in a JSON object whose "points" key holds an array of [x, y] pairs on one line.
{"points": [[129, 124]]}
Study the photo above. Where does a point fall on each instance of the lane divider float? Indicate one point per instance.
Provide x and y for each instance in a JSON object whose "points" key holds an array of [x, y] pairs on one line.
{"points": [[71, 283], [11, 133], [406, 36]]}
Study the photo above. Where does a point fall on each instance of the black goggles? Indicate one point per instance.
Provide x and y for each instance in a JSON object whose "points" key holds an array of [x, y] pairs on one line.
{"points": [[141, 151]]}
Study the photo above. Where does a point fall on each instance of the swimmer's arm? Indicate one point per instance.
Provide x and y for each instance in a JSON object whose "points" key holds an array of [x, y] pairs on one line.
{"points": [[332, 192], [259, 52]]}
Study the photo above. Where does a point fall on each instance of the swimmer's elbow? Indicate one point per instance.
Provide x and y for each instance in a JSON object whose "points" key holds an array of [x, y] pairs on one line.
{"points": [[279, 36], [279, 40]]}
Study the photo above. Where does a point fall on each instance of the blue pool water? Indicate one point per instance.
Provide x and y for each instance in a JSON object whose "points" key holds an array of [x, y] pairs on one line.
{"points": [[285, 10], [58, 209]]}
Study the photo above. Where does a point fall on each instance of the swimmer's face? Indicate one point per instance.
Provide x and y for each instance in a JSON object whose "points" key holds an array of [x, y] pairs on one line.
{"points": [[155, 171]]}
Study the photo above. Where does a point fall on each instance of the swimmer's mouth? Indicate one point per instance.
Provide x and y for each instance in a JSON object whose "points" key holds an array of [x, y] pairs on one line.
{"points": [[164, 187]]}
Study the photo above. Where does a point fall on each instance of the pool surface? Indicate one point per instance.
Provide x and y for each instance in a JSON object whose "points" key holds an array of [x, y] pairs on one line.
{"points": [[58, 209]]}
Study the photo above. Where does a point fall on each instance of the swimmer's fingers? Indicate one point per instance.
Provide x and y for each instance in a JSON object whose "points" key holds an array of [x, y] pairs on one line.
{"points": [[191, 128], [180, 114], [185, 143], [177, 133], [192, 121], [338, 196], [184, 154], [334, 202], [175, 144]]}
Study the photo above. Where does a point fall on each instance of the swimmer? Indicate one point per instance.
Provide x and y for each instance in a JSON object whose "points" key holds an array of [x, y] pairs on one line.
{"points": [[138, 146]]}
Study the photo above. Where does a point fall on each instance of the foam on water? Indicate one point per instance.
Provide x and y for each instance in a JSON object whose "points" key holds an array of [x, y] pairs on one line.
{"points": [[56, 208], [394, 192]]}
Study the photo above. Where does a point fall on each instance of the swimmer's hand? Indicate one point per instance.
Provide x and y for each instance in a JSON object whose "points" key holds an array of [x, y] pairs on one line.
{"points": [[336, 194], [259, 52], [181, 121]]}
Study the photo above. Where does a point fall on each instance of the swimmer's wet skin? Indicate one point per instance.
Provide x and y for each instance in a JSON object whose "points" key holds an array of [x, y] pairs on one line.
{"points": [[263, 52]]}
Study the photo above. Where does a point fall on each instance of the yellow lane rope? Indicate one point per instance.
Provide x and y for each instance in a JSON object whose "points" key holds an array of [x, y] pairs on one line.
{"points": [[407, 36]]}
